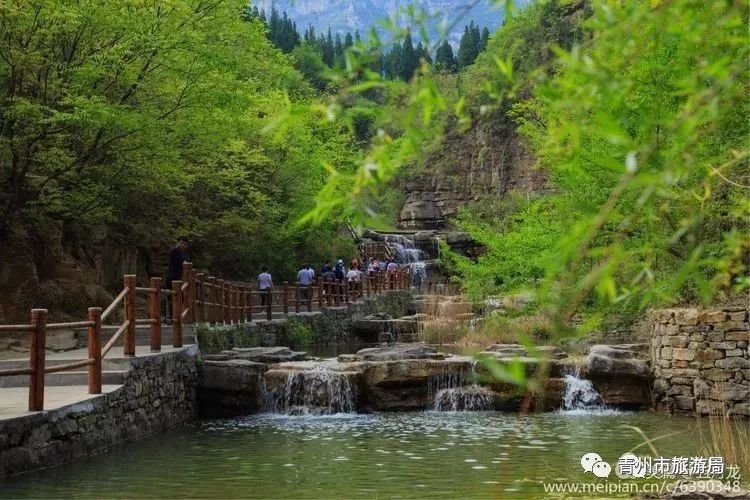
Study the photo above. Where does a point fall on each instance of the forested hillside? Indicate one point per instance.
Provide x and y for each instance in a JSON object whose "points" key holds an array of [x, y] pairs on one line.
{"points": [[124, 125], [639, 131], [599, 160]]}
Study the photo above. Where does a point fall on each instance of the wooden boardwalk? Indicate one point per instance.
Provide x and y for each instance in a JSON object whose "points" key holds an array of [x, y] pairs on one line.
{"points": [[198, 298]]}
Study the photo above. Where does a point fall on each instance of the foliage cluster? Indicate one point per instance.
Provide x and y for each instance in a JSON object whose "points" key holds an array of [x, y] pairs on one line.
{"points": [[636, 111], [138, 123]]}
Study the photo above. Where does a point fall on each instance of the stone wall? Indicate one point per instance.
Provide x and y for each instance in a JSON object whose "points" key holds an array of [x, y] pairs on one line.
{"points": [[330, 325], [158, 392], [701, 361]]}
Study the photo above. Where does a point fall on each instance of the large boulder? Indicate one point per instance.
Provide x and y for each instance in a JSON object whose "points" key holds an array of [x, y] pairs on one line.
{"points": [[230, 387], [620, 375]]}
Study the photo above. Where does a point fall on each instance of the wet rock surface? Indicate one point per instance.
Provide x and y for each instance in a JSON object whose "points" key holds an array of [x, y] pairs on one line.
{"points": [[620, 374], [259, 355]]}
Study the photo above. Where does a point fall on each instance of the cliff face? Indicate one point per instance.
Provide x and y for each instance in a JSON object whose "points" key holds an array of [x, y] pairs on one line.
{"points": [[40, 267], [487, 161]]}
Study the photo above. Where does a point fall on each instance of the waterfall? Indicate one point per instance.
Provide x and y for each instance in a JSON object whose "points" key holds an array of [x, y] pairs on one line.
{"points": [[452, 393], [406, 253], [580, 394], [305, 392]]}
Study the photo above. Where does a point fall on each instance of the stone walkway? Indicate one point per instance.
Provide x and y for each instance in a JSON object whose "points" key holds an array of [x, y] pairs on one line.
{"points": [[14, 401]]}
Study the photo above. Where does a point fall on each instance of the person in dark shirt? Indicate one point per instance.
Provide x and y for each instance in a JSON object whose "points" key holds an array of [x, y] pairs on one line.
{"points": [[177, 256], [326, 268], [339, 270]]}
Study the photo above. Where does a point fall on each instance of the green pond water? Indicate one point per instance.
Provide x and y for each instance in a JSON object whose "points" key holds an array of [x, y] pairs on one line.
{"points": [[396, 455]]}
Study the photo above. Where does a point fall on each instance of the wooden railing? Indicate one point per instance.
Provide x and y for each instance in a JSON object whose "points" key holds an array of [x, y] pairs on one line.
{"points": [[195, 298]]}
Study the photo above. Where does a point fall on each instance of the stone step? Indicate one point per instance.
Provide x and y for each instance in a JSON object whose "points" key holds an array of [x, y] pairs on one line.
{"points": [[109, 377]]}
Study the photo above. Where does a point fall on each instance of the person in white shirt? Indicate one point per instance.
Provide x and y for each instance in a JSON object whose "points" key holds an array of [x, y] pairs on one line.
{"points": [[312, 273], [353, 277], [304, 278], [354, 274], [265, 284]]}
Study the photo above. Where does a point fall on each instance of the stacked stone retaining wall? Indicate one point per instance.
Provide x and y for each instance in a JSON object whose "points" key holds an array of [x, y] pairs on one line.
{"points": [[701, 361], [158, 393], [329, 325]]}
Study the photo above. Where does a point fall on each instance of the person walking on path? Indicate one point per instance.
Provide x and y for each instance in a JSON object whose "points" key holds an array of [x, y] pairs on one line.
{"points": [[311, 271], [265, 284], [176, 258], [326, 267], [304, 279], [339, 270], [392, 267], [354, 276]]}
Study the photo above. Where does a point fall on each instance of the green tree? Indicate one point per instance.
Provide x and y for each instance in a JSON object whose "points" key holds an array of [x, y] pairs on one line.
{"points": [[444, 60], [409, 59]]}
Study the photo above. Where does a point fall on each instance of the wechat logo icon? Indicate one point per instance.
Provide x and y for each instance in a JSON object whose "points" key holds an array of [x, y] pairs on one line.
{"points": [[592, 462]]}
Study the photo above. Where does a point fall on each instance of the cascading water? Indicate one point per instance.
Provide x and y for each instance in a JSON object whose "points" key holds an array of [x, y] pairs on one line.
{"points": [[580, 395], [308, 392], [452, 393], [408, 254]]}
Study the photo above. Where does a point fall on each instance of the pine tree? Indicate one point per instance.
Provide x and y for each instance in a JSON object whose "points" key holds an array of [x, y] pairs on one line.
{"points": [[328, 50], [356, 36], [468, 47], [485, 39], [409, 59], [423, 53], [348, 40], [338, 51], [394, 62], [444, 60]]}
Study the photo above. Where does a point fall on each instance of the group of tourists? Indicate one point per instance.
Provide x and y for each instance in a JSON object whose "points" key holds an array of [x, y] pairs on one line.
{"points": [[305, 277], [330, 273]]}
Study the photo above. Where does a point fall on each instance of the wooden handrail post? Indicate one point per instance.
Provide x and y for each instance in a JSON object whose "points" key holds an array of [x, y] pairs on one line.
{"points": [[219, 290], [189, 298], [177, 313], [237, 307], [200, 310], [208, 297], [269, 304], [228, 302], [242, 294], [337, 288], [231, 288], [328, 289], [128, 343], [95, 347], [309, 290], [37, 354], [320, 292], [250, 303], [346, 290], [285, 297], [155, 300], [297, 297]]}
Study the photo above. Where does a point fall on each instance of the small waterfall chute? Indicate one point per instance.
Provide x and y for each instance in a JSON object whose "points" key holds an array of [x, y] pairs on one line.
{"points": [[406, 253], [580, 395], [318, 391], [455, 389]]}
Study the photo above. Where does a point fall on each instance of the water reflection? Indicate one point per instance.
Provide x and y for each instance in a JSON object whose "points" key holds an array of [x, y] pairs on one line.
{"points": [[477, 455]]}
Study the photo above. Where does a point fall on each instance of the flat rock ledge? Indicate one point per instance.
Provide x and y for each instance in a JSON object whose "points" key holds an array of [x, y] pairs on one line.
{"points": [[259, 355]]}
